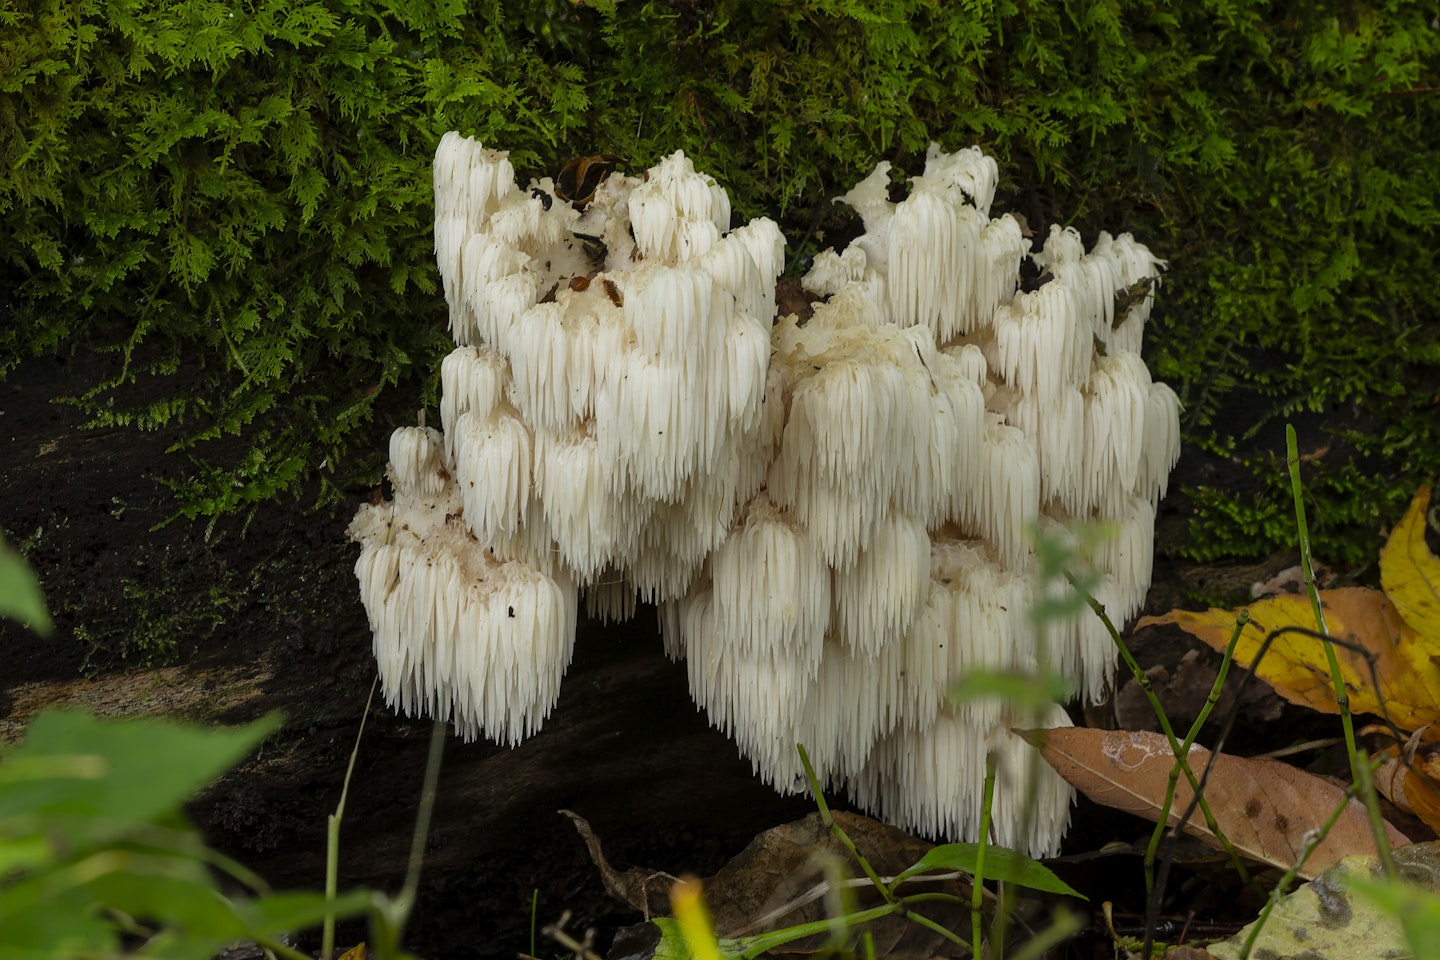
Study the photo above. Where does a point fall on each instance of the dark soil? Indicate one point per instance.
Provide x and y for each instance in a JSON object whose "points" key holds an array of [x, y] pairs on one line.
{"points": [[241, 625]]}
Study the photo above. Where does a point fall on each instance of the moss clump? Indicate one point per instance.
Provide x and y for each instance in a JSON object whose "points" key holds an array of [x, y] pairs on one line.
{"points": [[249, 195]]}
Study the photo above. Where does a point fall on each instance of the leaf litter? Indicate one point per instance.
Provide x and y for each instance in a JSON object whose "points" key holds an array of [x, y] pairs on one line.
{"points": [[800, 873], [1387, 644], [1268, 809]]}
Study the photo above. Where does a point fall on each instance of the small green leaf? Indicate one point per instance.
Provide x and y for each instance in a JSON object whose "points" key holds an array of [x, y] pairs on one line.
{"points": [[1001, 863], [673, 946], [287, 912], [1016, 689], [20, 595]]}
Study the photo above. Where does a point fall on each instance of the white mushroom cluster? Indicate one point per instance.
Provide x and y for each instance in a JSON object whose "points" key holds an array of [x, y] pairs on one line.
{"points": [[837, 517], [937, 416], [601, 416]]}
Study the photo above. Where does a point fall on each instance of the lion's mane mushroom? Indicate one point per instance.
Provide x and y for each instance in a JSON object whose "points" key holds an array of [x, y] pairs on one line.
{"points": [[598, 414], [935, 415], [834, 516]]}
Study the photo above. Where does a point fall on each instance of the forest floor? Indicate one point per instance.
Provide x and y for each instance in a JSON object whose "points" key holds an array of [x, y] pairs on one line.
{"points": [[230, 626]]}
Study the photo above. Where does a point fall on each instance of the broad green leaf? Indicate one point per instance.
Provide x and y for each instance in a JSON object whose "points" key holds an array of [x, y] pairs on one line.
{"points": [[1001, 863], [61, 924], [171, 899], [151, 765], [283, 912], [20, 595], [23, 853], [674, 946], [193, 908], [17, 769]]}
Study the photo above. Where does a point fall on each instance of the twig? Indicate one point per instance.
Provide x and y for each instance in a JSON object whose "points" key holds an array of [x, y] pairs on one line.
{"points": [[1305, 747]]}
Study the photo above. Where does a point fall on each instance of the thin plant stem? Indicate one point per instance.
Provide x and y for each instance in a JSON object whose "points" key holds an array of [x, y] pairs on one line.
{"points": [[422, 818], [534, 912], [332, 835], [765, 942], [1342, 696], [1366, 788], [1210, 702], [823, 889], [929, 924], [1063, 925], [838, 831], [1302, 530], [1144, 681], [977, 882], [393, 914], [930, 898], [1155, 886], [276, 949]]}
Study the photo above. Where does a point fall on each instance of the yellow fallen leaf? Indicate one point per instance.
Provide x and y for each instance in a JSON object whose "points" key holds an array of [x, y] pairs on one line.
{"points": [[1266, 808], [1410, 573], [1295, 665]]}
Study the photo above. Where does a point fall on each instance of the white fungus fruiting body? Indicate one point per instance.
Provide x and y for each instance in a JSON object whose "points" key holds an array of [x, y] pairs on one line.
{"points": [[598, 413], [929, 397], [837, 517]]}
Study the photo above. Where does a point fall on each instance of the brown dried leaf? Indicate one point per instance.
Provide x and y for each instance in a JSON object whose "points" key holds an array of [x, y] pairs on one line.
{"points": [[1188, 953], [1410, 779], [647, 891], [795, 873], [1422, 788], [1266, 808], [785, 864], [1390, 781]]}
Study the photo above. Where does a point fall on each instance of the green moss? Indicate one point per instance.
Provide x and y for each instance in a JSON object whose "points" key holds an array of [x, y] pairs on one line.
{"points": [[250, 195], [160, 599], [162, 612]]}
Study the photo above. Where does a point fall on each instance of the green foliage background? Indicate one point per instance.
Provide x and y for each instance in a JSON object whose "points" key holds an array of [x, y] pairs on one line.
{"points": [[241, 192]]}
